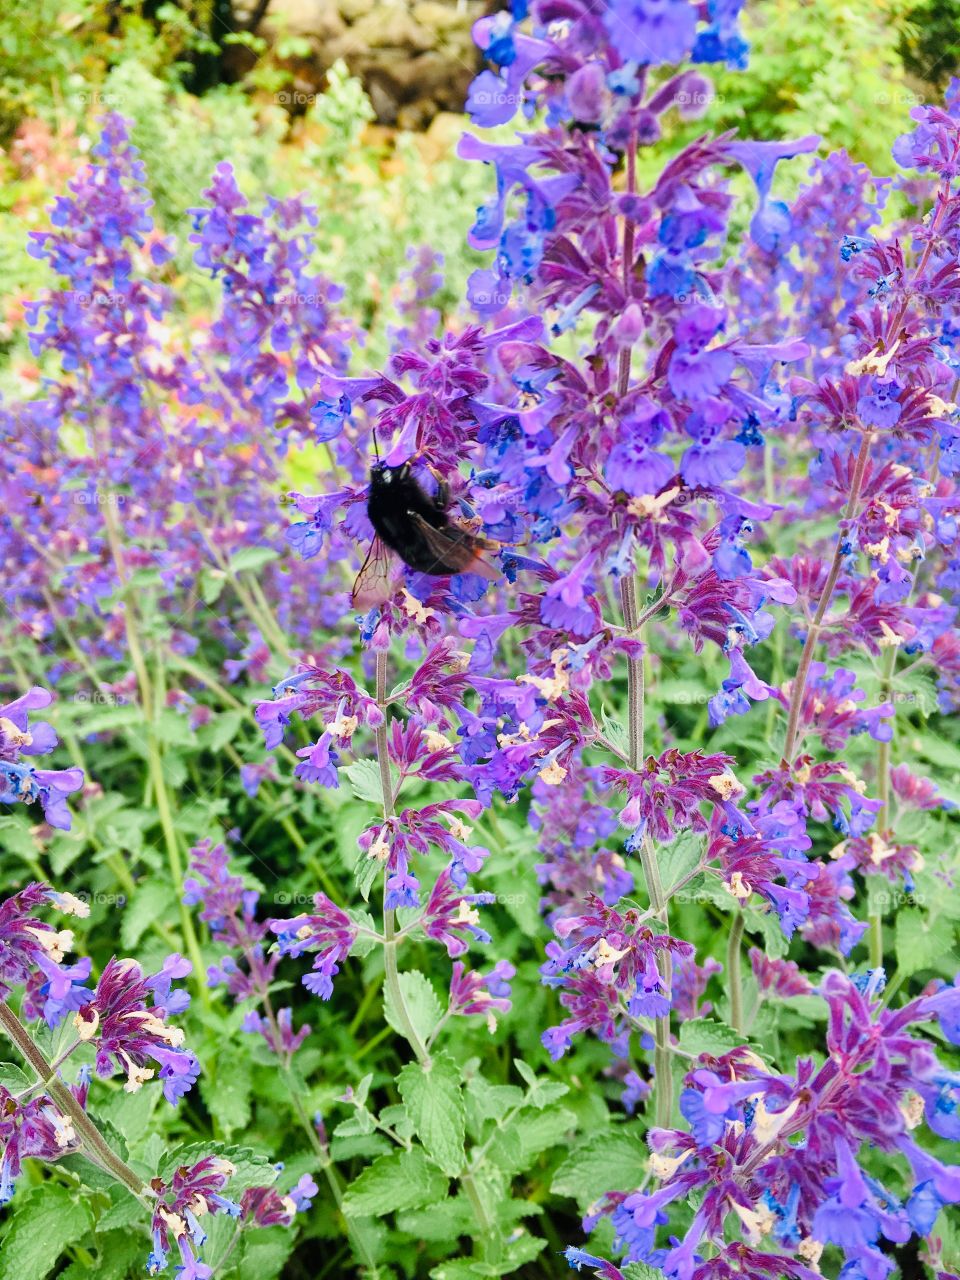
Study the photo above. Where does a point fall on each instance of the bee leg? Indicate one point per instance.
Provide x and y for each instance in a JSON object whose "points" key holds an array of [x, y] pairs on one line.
{"points": [[442, 497]]}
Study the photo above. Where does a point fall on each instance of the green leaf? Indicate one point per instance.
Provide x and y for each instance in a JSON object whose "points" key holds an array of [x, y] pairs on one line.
{"points": [[221, 730], [434, 1101], [439, 1222], [774, 943], [129, 1113], [402, 1180], [13, 1079], [227, 1097], [678, 858], [174, 770], [364, 779], [362, 945], [16, 838], [491, 1101], [540, 1092], [525, 1248], [640, 1271], [706, 1035], [125, 1210], [917, 687], [611, 1161], [212, 582], [152, 901], [45, 1221], [938, 751], [365, 873], [528, 1133], [249, 558], [422, 1002], [120, 1252], [922, 942], [543, 1129], [265, 1253], [614, 731]]}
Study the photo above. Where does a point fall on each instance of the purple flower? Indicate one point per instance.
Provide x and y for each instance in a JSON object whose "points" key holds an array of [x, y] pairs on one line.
{"points": [[126, 1019], [328, 934], [21, 782], [651, 31]]}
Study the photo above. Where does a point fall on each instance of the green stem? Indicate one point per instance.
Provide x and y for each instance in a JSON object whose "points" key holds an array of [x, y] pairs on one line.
{"points": [[175, 863], [662, 1064], [662, 1058], [883, 794], [151, 710], [489, 1231], [813, 631], [735, 972], [93, 1141], [391, 972]]}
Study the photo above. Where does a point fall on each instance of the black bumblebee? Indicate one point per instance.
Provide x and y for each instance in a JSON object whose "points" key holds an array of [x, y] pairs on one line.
{"points": [[418, 528]]}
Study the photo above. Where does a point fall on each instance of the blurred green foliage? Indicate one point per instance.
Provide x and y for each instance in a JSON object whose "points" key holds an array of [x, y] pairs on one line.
{"points": [[830, 67], [931, 45]]}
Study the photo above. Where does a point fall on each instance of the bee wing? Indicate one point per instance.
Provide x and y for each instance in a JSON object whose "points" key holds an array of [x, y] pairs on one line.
{"points": [[375, 581], [457, 550]]}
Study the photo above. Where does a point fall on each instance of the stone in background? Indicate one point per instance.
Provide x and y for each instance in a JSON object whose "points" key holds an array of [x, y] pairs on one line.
{"points": [[415, 59]]}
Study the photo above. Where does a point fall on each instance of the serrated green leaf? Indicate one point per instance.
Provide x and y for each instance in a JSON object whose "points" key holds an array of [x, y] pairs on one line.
{"points": [[439, 1222], [707, 1035], [614, 731], [402, 1180], [364, 779], [527, 1134], [398, 1118], [488, 1101], [459, 1269], [434, 1101], [362, 944], [129, 1113], [543, 1129], [125, 1210], [422, 1003], [265, 1253], [612, 1161], [917, 687], [45, 1221], [774, 943], [525, 1248], [540, 1093], [640, 1271], [355, 1126], [366, 1147], [922, 942]]}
